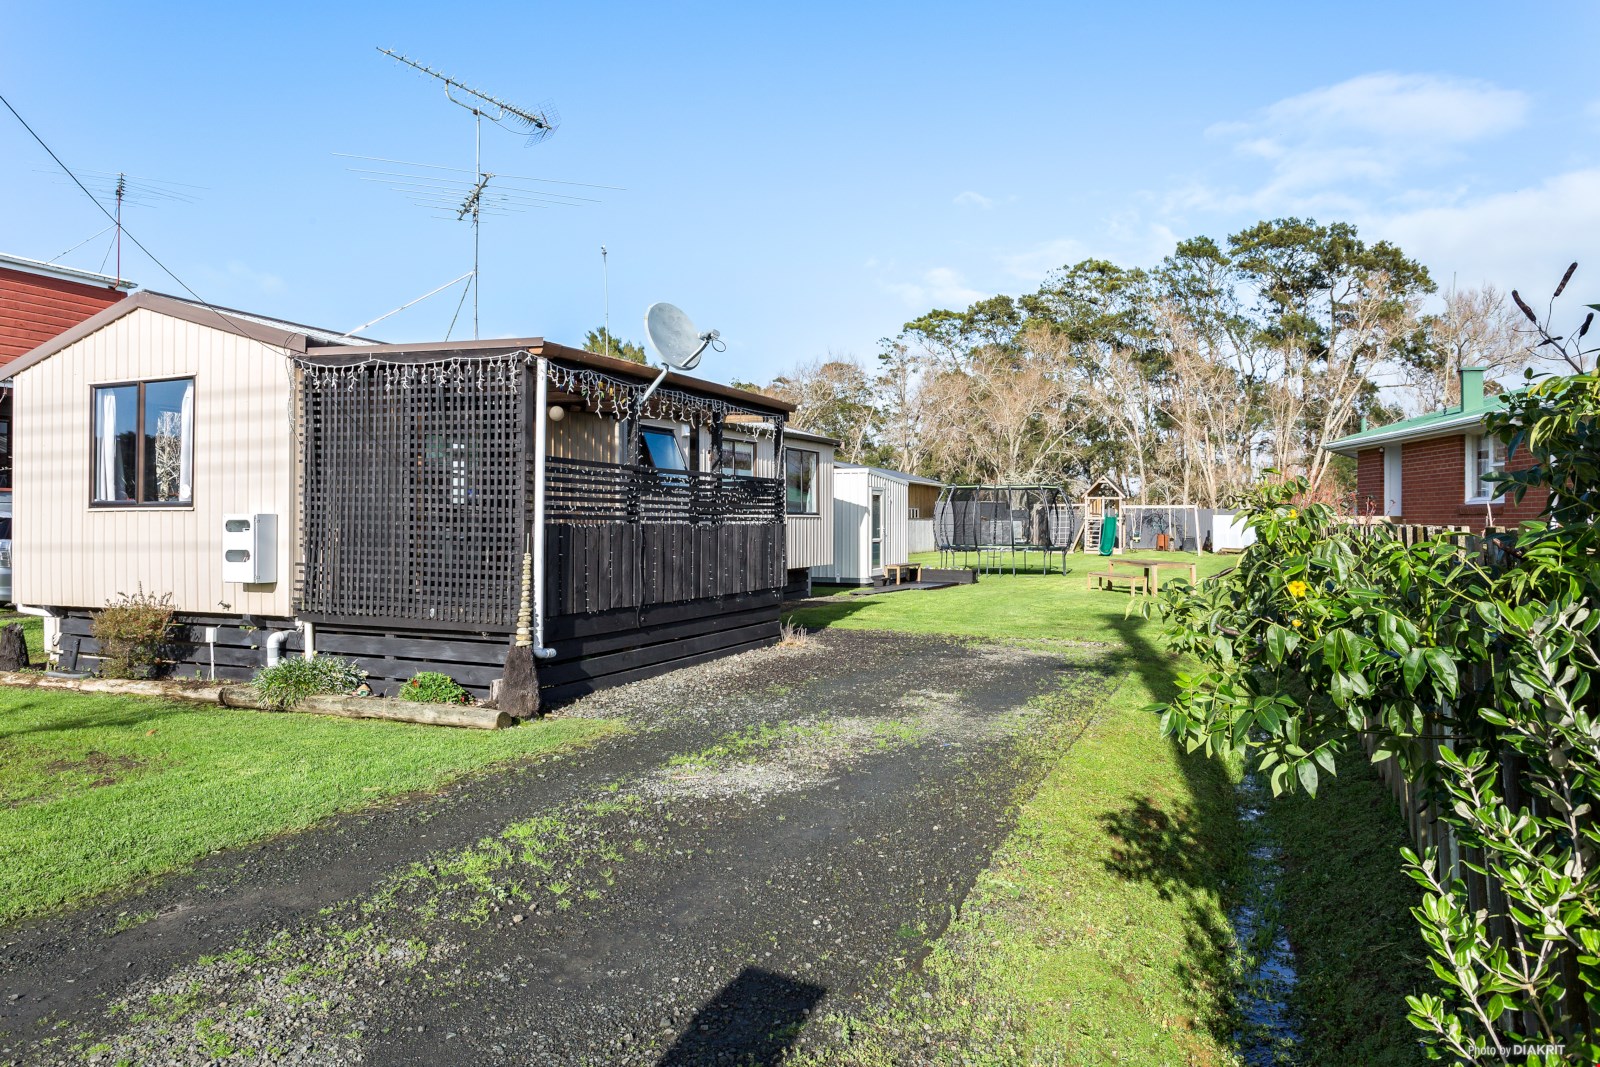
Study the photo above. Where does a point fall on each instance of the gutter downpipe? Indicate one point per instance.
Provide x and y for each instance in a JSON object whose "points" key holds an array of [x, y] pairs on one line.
{"points": [[52, 627], [541, 435], [276, 640]]}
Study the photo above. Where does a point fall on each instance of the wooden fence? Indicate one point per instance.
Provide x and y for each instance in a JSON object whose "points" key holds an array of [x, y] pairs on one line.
{"points": [[1421, 801]]}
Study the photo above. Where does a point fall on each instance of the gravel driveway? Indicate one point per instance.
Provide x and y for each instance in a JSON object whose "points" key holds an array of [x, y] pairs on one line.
{"points": [[777, 834]]}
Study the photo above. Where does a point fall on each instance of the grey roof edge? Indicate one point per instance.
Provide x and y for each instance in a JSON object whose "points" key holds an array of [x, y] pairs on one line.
{"points": [[69, 274], [807, 435], [899, 476]]}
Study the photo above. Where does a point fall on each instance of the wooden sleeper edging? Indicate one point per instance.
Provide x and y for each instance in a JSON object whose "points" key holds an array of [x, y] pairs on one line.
{"points": [[245, 697]]}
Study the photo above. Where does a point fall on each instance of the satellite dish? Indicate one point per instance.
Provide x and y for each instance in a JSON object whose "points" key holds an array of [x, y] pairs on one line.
{"points": [[675, 339]]}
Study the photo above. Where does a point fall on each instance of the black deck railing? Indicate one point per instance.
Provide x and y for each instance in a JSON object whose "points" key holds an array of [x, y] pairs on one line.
{"points": [[629, 537], [578, 491]]}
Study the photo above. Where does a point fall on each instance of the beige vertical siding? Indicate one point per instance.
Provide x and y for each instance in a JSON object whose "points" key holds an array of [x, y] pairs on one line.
{"points": [[810, 537], [68, 554], [582, 435]]}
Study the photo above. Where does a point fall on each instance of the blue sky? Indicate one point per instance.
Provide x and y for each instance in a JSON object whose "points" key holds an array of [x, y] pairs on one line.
{"points": [[804, 178]]}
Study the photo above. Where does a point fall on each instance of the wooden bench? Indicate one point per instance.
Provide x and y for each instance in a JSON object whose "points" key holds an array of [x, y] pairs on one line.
{"points": [[895, 573], [1104, 579]]}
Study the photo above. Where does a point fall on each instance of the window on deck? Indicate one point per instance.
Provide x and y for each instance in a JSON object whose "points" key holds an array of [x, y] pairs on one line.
{"points": [[144, 443], [739, 458], [660, 449]]}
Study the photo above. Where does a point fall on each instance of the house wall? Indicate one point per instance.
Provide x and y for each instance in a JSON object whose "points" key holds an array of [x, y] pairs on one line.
{"points": [[1433, 485], [809, 538], [921, 499], [852, 526], [583, 435], [67, 554], [34, 308]]}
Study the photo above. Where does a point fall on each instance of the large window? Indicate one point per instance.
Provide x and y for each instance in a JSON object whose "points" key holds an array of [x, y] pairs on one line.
{"points": [[739, 458], [144, 443], [1486, 459], [660, 449], [800, 481]]}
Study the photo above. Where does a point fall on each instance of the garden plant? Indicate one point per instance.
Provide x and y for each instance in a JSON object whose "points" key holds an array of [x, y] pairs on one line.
{"points": [[131, 631], [434, 687], [1473, 667], [293, 679]]}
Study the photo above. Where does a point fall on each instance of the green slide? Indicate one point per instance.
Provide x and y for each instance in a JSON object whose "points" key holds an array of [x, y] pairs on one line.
{"points": [[1108, 534]]}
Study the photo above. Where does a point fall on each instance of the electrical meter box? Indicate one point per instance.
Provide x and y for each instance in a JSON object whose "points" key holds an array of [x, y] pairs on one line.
{"points": [[250, 549]]}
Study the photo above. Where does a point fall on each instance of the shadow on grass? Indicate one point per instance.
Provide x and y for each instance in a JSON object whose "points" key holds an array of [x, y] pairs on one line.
{"points": [[130, 711], [1188, 849]]}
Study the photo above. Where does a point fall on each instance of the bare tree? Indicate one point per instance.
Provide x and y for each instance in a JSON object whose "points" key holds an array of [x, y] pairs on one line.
{"points": [[1477, 328], [834, 397]]}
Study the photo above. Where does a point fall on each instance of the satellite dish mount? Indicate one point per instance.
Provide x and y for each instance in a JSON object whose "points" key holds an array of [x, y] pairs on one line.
{"points": [[676, 341]]}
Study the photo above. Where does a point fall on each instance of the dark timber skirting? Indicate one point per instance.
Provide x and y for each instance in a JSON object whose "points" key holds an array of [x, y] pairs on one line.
{"points": [[241, 645]]}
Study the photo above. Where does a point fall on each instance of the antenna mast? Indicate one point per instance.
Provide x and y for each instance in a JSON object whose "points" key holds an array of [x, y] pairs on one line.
{"points": [[605, 324], [536, 125]]}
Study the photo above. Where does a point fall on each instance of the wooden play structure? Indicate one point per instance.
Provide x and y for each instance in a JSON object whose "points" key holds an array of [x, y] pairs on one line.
{"points": [[1103, 500]]}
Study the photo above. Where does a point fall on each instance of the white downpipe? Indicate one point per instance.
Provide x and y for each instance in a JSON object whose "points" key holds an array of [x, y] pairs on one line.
{"points": [[52, 628], [541, 433], [276, 640], [308, 632]]}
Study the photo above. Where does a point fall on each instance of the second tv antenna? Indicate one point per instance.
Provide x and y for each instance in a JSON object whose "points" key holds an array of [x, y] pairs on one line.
{"points": [[536, 125]]}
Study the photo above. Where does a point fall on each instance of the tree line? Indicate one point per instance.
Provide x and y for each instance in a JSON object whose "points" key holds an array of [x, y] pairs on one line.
{"points": [[1183, 382]]}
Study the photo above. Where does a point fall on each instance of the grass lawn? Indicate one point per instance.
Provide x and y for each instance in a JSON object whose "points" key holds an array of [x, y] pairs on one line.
{"points": [[1099, 933], [1027, 606], [98, 792]]}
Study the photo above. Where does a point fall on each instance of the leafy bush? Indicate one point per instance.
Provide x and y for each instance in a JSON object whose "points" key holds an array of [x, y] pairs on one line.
{"points": [[296, 678], [431, 687], [1328, 636], [131, 632]]}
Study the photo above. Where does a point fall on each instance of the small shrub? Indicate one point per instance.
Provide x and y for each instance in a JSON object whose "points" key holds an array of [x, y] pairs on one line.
{"points": [[432, 687], [296, 678], [792, 635], [131, 631]]}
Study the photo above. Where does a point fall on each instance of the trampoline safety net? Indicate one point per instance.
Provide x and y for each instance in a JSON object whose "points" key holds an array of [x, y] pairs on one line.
{"points": [[997, 522]]}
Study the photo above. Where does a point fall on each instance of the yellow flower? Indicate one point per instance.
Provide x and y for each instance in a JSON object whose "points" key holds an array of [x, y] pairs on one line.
{"points": [[1297, 588], [1294, 513], [1297, 624]]}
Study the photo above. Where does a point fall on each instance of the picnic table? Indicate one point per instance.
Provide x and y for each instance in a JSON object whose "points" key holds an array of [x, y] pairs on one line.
{"points": [[1152, 569]]}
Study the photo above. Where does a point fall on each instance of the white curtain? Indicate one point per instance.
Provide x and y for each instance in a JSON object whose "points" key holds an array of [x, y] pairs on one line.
{"points": [[105, 482], [186, 445]]}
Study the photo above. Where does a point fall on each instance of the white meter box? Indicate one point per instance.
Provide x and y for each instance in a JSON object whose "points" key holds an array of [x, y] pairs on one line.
{"points": [[250, 549]]}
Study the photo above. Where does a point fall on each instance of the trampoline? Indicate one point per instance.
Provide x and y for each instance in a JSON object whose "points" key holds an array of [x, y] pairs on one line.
{"points": [[995, 524]]}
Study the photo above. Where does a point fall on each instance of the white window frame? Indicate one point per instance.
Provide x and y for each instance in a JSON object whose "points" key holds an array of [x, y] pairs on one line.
{"points": [[1474, 488]]}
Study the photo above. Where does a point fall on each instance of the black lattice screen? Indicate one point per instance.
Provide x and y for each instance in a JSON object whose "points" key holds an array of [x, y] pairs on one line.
{"points": [[412, 480]]}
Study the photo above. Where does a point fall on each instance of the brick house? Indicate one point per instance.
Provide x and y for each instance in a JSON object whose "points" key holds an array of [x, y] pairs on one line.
{"points": [[39, 301], [1434, 469]]}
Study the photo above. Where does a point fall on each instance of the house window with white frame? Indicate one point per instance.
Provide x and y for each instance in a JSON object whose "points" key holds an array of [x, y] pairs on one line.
{"points": [[143, 444], [1486, 460]]}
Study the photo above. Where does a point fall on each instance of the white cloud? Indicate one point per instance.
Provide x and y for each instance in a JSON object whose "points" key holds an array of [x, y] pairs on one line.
{"points": [[1408, 108], [972, 199], [939, 287], [1365, 133], [1518, 239], [1032, 264]]}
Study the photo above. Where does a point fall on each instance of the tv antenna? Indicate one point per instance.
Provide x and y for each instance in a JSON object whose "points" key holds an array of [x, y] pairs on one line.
{"points": [[117, 189], [535, 125], [676, 341]]}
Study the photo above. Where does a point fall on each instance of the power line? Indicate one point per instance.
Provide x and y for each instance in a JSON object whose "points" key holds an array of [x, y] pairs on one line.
{"points": [[101, 207]]}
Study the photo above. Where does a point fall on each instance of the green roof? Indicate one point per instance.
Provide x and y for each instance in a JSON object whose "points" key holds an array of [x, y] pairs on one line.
{"points": [[1429, 425]]}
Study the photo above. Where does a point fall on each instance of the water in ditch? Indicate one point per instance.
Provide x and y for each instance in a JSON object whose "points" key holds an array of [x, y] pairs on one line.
{"points": [[1267, 1032]]}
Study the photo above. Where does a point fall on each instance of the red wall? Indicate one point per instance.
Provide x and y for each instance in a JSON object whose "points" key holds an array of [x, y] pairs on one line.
{"points": [[35, 308], [1433, 485]]}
